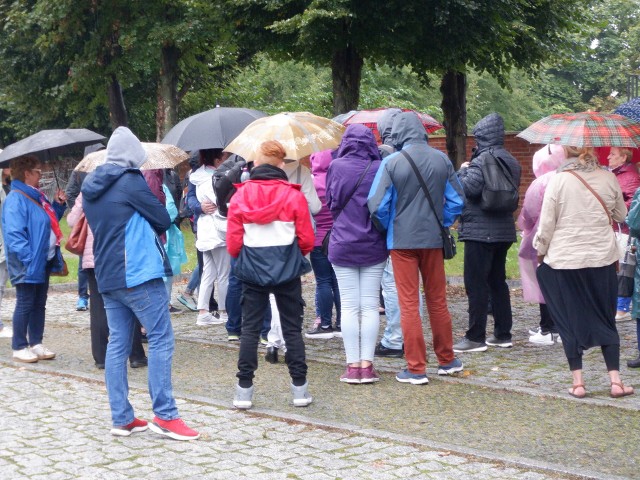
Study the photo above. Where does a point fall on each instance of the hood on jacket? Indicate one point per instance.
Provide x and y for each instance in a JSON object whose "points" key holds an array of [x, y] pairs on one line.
{"points": [[200, 176], [489, 131], [358, 141], [267, 186], [385, 123], [125, 150], [320, 161], [407, 129], [548, 159]]}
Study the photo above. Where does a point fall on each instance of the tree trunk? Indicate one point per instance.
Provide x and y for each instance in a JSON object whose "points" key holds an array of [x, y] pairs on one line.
{"points": [[346, 72], [117, 110], [167, 107], [453, 87]]}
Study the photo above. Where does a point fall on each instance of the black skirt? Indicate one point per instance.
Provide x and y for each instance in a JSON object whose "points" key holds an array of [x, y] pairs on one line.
{"points": [[582, 302]]}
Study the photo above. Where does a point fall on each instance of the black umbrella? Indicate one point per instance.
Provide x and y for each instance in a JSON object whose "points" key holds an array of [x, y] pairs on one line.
{"points": [[215, 128], [47, 144]]}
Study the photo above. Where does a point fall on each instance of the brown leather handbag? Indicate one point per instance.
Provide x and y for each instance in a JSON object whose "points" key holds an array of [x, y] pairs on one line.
{"points": [[78, 236]]}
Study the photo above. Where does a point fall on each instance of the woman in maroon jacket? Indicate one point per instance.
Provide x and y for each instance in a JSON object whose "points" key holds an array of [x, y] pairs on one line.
{"points": [[627, 175]]}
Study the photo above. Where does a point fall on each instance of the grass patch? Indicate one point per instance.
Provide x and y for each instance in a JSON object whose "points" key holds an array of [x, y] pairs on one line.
{"points": [[455, 266]]}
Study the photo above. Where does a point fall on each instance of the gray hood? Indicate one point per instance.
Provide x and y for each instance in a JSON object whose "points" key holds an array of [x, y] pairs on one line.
{"points": [[407, 129], [489, 131], [125, 150], [385, 123]]}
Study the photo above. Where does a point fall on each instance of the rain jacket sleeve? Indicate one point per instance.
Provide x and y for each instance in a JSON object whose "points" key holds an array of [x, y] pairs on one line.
{"points": [[381, 198], [192, 200], [148, 205], [309, 192], [472, 180], [453, 199], [235, 230], [547, 220], [633, 218]]}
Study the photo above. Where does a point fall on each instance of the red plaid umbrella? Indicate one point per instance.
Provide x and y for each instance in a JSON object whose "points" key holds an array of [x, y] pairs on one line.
{"points": [[584, 129], [369, 118]]}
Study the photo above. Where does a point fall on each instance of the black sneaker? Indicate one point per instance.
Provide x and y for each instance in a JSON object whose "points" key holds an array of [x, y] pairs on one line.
{"points": [[382, 351], [466, 345], [319, 332], [494, 342]]}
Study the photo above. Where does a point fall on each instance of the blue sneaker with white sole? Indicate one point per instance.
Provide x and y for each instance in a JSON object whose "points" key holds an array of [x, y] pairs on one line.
{"points": [[452, 367], [405, 376]]}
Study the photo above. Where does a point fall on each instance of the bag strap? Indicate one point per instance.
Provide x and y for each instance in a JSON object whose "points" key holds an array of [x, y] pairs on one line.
{"points": [[584, 182], [298, 173], [505, 169], [37, 203], [354, 191], [425, 190]]}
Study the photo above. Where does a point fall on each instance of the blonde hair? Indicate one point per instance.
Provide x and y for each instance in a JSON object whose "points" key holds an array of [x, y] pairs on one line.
{"points": [[271, 152], [585, 155]]}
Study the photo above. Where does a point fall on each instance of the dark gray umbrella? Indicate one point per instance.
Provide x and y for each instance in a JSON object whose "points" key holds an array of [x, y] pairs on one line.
{"points": [[215, 128], [47, 144]]}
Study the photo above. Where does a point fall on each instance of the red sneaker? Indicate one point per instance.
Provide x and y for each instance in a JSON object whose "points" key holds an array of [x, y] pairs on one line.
{"points": [[175, 429], [136, 426]]}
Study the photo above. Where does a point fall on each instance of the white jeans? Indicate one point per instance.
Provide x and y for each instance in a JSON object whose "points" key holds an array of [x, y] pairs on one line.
{"points": [[359, 297], [4, 276], [216, 265]]}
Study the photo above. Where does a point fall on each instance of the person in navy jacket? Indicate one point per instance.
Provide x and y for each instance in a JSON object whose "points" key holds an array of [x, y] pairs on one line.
{"points": [[127, 219], [32, 245]]}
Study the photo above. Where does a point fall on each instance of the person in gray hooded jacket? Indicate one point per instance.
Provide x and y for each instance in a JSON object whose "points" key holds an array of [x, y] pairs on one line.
{"points": [[399, 206], [488, 235]]}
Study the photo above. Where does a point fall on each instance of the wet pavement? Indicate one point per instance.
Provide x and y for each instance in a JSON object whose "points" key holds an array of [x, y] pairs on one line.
{"points": [[506, 416]]}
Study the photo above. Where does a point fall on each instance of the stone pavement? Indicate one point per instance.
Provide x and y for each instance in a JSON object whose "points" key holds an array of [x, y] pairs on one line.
{"points": [[510, 405], [56, 428]]}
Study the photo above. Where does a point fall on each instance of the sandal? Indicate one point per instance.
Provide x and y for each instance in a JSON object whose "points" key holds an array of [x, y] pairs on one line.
{"points": [[624, 393], [573, 393]]}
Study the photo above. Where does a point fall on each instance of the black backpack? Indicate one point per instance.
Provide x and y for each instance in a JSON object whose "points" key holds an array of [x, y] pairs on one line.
{"points": [[500, 192], [228, 173]]}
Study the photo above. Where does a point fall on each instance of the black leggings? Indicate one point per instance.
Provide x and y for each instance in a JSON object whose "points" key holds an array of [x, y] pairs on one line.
{"points": [[611, 354]]}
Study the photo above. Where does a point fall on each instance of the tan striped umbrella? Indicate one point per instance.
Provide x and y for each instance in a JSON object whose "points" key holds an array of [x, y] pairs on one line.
{"points": [[300, 133], [159, 155]]}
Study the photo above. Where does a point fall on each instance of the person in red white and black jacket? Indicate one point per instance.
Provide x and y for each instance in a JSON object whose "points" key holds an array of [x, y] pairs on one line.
{"points": [[269, 231]]}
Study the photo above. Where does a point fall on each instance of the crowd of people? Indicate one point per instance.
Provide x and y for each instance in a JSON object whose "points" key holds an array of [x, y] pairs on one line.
{"points": [[369, 220]]}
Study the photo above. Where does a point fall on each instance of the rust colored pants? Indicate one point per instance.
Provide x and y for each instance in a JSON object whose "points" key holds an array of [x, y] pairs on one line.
{"points": [[408, 265]]}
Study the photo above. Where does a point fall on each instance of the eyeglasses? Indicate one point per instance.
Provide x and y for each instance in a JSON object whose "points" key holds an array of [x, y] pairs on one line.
{"points": [[37, 170]]}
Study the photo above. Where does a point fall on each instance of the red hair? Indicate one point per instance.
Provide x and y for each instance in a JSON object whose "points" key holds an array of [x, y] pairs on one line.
{"points": [[273, 152]]}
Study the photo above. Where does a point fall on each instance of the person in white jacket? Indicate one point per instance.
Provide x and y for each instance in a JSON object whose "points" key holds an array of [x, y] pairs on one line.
{"points": [[210, 241]]}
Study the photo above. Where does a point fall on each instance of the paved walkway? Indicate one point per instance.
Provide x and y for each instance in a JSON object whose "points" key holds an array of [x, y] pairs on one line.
{"points": [[347, 433]]}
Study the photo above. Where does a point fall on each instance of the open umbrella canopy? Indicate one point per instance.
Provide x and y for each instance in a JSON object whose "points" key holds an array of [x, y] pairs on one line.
{"points": [[300, 133], [158, 156], [214, 128], [631, 109], [369, 118], [584, 129], [47, 144]]}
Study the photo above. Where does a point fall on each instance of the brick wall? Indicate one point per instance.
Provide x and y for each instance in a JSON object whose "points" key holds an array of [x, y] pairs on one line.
{"points": [[521, 149]]}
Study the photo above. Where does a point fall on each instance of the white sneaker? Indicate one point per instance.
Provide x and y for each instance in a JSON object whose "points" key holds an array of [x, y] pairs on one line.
{"points": [[545, 338], [205, 319], [25, 355], [622, 316], [6, 332], [535, 330], [42, 352], [223, 317]]}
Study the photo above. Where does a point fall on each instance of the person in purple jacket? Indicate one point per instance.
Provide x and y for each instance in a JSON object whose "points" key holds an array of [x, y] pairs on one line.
{"points": [[327, 290], [357, 250]]}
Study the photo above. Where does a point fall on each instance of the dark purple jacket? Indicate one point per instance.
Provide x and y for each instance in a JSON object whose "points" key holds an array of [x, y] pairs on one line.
{"points": [[355, 242]]}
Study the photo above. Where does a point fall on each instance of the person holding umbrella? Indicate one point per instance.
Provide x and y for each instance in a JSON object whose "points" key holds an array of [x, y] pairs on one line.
{"points": [[627, 175], [32, 235], [577, 256]]}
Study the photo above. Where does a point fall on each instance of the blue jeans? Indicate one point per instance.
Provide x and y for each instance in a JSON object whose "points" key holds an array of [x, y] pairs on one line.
{"points": [[624, 304], [234, 307], [28, 316], [83, 281], [150, 304], [194, 281], [327, 291]]}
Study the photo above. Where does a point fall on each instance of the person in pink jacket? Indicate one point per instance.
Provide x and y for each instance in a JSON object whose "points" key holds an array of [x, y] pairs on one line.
{"points": [[97, 314], [545, 162]]}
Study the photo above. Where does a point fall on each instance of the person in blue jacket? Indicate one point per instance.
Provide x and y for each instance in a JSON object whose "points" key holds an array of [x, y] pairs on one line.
{"points": [[130, 261], [32, 244]]}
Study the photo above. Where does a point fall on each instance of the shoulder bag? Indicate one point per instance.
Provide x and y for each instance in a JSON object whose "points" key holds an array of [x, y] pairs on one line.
{"points": [[325, 240], [448, 241], [78, 236]]}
